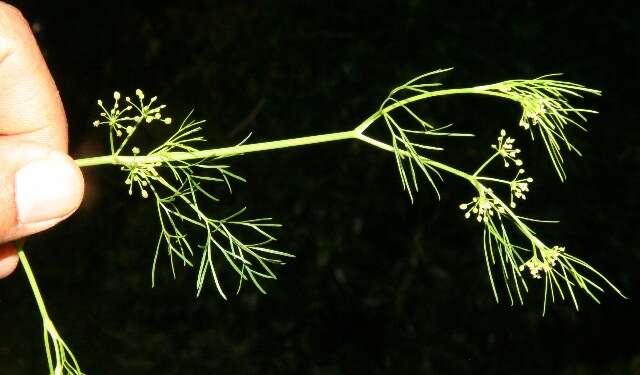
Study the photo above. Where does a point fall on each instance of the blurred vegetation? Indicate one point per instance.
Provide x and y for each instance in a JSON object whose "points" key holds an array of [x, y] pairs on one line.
{"points": [[379, 285]]}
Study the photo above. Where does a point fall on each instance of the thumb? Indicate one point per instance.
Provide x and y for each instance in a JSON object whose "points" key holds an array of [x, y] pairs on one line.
{"points": [[39, 187]]}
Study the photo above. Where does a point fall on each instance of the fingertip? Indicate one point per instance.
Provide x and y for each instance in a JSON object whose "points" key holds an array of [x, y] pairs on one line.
{"points": [[39, 187], [48, 189]]}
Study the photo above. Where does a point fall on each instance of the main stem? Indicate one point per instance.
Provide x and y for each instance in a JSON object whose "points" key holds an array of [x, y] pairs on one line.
{"points": [[356, 133], [218, 152]]}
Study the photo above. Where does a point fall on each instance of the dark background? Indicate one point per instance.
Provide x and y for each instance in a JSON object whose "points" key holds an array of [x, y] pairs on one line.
{"points": [[379, 286]]}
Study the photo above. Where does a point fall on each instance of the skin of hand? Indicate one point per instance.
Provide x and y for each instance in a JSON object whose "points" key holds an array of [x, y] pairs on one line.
{"points": [[40, 185]]}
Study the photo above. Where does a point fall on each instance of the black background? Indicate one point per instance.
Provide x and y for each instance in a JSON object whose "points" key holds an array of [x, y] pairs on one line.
{"points": [[379, 285]]}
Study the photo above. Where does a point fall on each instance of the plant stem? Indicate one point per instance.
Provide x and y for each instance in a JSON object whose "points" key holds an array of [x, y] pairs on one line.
{"points": [[356, 133], [32, 281], [433, 163], [217, 152], [126, 140], [477, 172], [482, 178], [257, 147], [263, 146], [483, 90]]}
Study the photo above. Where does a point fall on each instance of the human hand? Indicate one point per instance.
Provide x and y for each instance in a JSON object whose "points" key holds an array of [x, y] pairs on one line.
{"points": [[40, 185]]}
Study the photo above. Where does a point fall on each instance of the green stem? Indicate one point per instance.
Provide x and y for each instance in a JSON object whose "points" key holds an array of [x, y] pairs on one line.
{"points": [[263, 146], [524, 228], [217, 152], [126, 140], [433, 163], [111, 141], [483, 90], [285, 143], [482, 178], [485, 164], [59, 358], [32, 281]]}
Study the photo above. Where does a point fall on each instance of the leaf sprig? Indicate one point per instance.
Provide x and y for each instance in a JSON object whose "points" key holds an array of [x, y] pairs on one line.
{"points": [[176, 172], [546, 107], [503, 228], [178, 176], [181, 190], [407, 143]]}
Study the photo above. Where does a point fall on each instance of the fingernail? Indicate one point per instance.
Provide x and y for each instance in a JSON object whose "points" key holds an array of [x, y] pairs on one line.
{"points": [[47, 189]]}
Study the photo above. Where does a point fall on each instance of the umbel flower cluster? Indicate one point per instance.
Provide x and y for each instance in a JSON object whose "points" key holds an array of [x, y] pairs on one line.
{"points": [[482, 206], [118, 119], [505, 149], [548, 259], [519, 186], [178, 174]]}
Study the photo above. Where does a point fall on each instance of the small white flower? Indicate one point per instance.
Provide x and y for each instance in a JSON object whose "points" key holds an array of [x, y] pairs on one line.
{"points": [[532, 110], [505, 149], [482, 207], [551, 255], [534, 265], [519, 186], [549, 259]]}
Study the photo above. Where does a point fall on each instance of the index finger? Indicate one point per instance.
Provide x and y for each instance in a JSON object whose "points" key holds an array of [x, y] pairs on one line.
{"points": [[30, 106]]}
